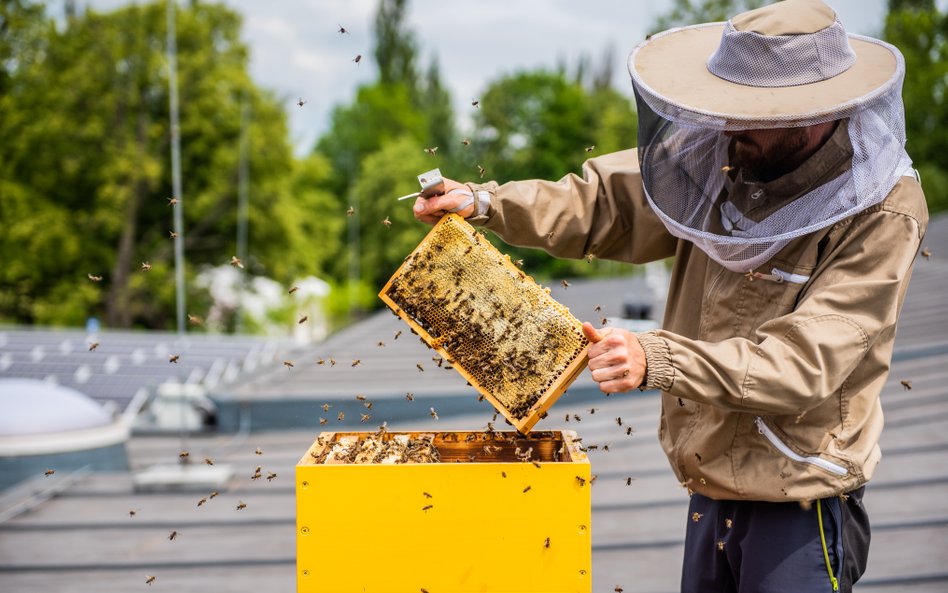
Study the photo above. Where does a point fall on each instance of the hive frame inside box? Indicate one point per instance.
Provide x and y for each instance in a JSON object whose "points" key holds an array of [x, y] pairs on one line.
{"points": [[559, 384], [456, 526]]}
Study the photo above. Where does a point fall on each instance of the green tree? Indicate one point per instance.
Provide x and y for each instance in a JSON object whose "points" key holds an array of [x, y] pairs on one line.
{"points": [[920, 31], [84, 151]]}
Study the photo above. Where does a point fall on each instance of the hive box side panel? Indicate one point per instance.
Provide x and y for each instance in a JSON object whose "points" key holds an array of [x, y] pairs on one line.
{"points": [[375, 529]]}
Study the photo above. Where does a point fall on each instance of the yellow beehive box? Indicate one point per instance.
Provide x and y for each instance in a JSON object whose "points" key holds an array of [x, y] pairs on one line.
{"points": [[498, 328], [492, 512]]}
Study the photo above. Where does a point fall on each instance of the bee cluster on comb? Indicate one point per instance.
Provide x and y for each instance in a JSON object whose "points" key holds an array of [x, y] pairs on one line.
{"points": [[497, 327]]}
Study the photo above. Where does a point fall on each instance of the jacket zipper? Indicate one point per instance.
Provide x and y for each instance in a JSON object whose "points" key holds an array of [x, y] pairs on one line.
{"points": [[771, 436]]}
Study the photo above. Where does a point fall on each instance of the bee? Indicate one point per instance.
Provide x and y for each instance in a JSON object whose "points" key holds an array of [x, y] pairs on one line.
{"points": [[132, 512], [628, 481], [341, 416], [258, 451], [432, 150], [49, 472], [398, 333], [270, 476], [235, 261], [213, 494], [577, 418], [208, 461], [387, 222], [172, 235], [629, 430], [420, 368], [343, 30], [726, 168], [546, 543], [173, 358], [149, 579], [698, 457], [618, 589], [292, 290], [591, 148], [581, 480], [681, 403], [926, 253], [202, 501], [427, 506], [356, 362], [565, 284], [357, 59], [241, 505], [183, 454], [603, 321], [145, 266], [365, 417], [195, 320], [475, 103], [481, 170], [696, 516], [332, 361], [503, 474], [93, 346], [350, 211], [410, 396], [300, 102], [728, 523], [619, 420], [598, 309], [593, 410], [721, 545], [303, 319], [466, 142], [433, 413], [536, 464], [427, 495], [326, 407], [172, 535], [288, 364], [320, 361], [323, 421], [380, 344], [94, 278], [256, 475], [703, 481], [368, 405], [906, 384], [172, 201], [549, 235], [527, 489]]}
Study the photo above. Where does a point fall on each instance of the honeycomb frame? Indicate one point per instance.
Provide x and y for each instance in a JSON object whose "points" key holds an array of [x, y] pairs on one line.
{"points": [[514, 343]]}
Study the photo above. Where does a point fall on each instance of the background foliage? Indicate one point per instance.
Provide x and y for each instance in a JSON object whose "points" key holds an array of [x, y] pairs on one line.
{"points": [[85, 171]]}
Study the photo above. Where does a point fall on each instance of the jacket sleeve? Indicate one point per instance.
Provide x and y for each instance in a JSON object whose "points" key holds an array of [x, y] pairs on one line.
{"points": [[797, 361], [604, 213]]}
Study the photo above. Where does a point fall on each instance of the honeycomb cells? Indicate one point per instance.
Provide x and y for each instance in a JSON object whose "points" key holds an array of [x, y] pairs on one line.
{"points": [[500, 329]]}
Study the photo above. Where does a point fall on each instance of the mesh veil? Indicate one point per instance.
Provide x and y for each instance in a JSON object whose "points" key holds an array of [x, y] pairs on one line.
{"points": [[685, 156]]}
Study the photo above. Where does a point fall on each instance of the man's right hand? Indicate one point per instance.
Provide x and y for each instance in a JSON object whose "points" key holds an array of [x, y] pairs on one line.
{"points": [[432, 209]]}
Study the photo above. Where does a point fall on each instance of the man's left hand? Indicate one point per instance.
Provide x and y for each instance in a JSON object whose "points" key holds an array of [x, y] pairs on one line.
{"points": [[616, 358]]}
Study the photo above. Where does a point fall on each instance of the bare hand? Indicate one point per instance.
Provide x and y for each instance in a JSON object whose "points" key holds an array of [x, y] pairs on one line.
{"points": [[431, 210], [616, 359]]}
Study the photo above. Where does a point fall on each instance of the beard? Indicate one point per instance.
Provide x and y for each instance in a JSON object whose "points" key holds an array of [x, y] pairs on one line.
{"points": [[769, 154]]}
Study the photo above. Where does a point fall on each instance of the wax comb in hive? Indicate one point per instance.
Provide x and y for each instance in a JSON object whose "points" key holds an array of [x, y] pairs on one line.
{"points": [[504, 333]]}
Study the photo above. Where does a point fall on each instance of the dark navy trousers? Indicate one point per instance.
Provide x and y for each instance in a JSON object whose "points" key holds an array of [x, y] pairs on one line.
{"points": [[739, 546]]}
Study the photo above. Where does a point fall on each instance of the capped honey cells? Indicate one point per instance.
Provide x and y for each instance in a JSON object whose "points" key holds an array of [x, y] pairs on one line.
{"points": [[504, 333]]}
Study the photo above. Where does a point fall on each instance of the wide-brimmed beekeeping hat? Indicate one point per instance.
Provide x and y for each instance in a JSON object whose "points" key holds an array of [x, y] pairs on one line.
{"points": [[786, 65], [783, 65]]}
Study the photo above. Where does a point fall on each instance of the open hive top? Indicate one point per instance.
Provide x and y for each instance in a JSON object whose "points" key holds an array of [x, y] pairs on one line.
{"points": [[382, 447], [504, 333]]}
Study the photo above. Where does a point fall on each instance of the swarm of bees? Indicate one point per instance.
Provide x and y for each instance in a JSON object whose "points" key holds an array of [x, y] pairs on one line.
{"points": [[473, 295]]}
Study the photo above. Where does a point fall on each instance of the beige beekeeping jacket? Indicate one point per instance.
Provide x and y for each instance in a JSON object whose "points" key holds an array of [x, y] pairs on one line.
{"points": [[770, 384]]}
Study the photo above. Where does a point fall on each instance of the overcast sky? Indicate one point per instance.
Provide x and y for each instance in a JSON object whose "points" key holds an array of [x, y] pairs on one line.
{"points": [[297, 52]]}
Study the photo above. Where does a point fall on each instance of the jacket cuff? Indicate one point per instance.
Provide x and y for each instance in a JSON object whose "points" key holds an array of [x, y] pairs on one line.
{"points": [[483, 202], [659, 372]]}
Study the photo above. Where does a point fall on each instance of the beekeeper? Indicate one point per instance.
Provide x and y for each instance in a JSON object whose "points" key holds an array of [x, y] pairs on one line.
{"points": [[771, 165]]}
